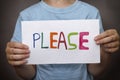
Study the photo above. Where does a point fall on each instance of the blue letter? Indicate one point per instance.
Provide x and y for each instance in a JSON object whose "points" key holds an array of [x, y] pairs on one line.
{"points": [[36, 36]]}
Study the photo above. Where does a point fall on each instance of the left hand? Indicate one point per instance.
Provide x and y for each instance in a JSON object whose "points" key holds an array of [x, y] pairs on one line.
{"points": [[109, 40]]}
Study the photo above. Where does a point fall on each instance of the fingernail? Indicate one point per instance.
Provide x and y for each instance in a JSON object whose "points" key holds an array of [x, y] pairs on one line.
{"points": [[97, 42], [26, 61], [26, 47], [95, 38], [27, 51]]}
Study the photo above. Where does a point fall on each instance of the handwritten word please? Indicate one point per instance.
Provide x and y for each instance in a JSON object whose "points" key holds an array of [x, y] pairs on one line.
{"points": [[62, 39]]}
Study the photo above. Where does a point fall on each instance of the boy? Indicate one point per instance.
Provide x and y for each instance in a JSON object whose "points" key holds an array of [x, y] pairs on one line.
{"points": [[59, 10]]}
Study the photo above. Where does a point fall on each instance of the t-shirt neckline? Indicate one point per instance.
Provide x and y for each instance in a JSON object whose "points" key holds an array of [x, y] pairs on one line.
{"points": [[60, 10]]}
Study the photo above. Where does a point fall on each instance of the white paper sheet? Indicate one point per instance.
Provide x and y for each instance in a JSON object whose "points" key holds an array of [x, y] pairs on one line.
{"points": [[61, 41]]}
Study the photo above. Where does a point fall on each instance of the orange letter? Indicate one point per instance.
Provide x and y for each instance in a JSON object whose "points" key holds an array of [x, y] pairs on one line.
{"points": [[52, 40]]}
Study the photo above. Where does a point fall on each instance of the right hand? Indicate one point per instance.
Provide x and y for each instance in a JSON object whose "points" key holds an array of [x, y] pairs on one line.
{"points": [[17, 53]]}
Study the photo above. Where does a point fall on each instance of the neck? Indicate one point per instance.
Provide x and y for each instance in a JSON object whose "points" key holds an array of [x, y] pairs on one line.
{"points": [[59, 3]]}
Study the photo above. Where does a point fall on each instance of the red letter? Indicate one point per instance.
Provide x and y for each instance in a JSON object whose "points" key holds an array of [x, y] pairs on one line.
{"points": [[83, 40], [62, 41], [52, 40]]}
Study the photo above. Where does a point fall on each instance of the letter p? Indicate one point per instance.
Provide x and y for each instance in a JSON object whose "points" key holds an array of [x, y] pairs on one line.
{"points": [[36, 36]]}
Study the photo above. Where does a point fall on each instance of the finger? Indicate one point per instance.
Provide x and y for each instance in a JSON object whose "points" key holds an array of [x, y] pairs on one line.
{"points": [[17, 45], [18, 57], [18, 51], [112, 45], [111, 50], [107, 33], [17, 63], [107, 40]]}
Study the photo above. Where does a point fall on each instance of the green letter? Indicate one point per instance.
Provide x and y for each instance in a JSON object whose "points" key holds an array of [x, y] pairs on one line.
{"points": [[72, 44], [42, 41]]}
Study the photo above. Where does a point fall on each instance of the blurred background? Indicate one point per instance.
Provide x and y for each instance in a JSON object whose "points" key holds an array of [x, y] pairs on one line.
{"points": [[9, 11]]}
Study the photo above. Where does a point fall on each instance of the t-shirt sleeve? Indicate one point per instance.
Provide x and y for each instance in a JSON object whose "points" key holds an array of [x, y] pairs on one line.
{"points": [[17, 31], [100, 22]]}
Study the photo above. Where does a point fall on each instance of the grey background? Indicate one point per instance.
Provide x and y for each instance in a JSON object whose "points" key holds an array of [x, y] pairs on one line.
{"points": [[9, 10]]}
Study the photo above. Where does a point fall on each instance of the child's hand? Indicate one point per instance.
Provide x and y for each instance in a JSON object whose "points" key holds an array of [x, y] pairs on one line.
{"points": [[17, 53], [109, 40]]}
